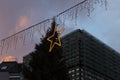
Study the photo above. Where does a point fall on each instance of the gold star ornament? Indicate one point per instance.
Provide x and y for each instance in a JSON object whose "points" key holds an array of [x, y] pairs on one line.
{"points": [[54, 39]]}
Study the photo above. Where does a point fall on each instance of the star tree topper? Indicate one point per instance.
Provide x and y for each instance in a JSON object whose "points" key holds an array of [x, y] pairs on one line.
{"points": [[54, 39]]}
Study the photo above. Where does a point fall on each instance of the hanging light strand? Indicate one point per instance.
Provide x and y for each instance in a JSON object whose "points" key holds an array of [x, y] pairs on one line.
{"points": [[71, 14]]}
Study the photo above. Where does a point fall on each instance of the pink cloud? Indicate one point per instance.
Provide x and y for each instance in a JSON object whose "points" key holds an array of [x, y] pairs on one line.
{"points": [[22, 23]]}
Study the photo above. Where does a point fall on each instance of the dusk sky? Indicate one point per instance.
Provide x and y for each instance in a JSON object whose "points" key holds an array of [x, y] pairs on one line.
{"points": [[16, 15]]}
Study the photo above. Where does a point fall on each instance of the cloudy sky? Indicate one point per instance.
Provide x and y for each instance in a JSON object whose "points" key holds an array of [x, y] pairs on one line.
{"points": [[16, 15]]}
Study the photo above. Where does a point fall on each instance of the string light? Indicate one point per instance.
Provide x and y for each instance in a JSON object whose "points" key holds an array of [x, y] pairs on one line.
{"points": [[69, 14]]}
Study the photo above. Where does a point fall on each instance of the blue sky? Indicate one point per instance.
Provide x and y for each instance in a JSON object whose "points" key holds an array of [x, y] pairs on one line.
{"points": [[16, 15]]}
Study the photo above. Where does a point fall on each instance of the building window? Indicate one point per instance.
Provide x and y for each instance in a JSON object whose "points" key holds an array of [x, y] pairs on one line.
{"points": [[73, 75], [81, 74], [81, 69], [77, 73], [77, 78], [69, 72], [73, 70], [4, 67], [77, 69], [82, 78], [14, 78]]}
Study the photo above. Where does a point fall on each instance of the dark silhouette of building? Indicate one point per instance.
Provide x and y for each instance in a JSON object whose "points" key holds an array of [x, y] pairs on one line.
{"points": [[10, 70], [90, 59]]}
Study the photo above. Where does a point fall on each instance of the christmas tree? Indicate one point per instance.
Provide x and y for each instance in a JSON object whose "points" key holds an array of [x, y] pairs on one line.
{"points": [[47, 61]]}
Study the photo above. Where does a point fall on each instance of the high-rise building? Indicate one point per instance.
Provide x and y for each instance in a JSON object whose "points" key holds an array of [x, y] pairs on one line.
{"points": [[90, 59]]}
